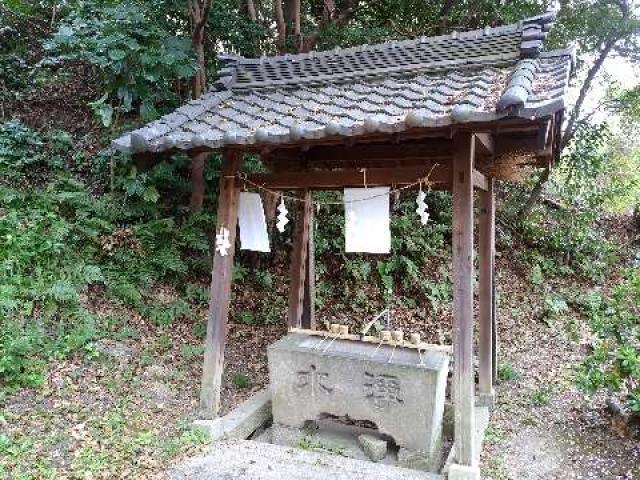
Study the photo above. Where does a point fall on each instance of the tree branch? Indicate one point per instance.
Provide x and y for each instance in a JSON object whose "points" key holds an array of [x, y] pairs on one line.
{"points": [[251, 10], [444, 12], [328, 11], [338, 19], [584, 90], [281, 26]]}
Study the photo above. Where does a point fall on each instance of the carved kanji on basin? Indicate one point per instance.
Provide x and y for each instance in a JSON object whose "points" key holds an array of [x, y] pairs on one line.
{"points": [[402, 396]]}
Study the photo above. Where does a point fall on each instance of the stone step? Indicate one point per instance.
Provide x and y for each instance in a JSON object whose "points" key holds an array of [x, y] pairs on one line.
{"points": [[249, 460]]}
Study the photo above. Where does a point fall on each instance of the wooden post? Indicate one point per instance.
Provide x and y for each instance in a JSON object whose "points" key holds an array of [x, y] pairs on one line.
{"points": [[299, 260], [464, 382], [309, 304], [220, 289], [486, 249], [494, 327]]}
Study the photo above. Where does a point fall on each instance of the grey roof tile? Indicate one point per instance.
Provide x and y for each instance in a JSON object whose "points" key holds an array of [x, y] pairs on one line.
{"points": [[474, 76]]}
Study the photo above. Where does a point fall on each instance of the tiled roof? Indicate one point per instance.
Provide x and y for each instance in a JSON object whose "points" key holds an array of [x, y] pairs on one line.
{"points": [[482, 75]]}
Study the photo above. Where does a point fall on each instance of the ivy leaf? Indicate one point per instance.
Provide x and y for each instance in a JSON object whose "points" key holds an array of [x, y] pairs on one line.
{"points": [[63, 291], [92, 274], [116, 54], [103, 110], [150, 194], [126, 95], [148, 111]]}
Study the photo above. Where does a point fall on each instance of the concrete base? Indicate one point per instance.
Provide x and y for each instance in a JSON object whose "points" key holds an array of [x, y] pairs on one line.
{"points": [[482, 422], [420, 460], [251, 415], [486, 400], [331, 438], [463, 472]]}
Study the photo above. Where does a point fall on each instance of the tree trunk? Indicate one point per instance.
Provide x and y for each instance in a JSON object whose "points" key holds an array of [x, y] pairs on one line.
{"points": [[526, 209], [280, 25], [251, 10], [197, 181], [199, 80], [199, 11], [292, 18]]}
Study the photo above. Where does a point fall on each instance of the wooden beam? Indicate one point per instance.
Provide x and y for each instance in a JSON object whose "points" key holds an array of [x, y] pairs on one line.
{"points": [[464, 378], [523, 143], [381, 151], [484, 144], [220, 289], [309, 303], [299, 260], [365, 155], [486, 251], [337, 179], [479, 180], [279, 164]]}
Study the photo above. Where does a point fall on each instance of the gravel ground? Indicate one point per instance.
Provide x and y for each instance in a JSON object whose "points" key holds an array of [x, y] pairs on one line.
{"points": [[543, 427]]}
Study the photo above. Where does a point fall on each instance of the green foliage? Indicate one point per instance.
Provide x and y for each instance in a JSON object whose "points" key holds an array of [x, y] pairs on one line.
{"points": [[536, 277], [614, 363], [20, 149], [21, 24], [264, 279], [247, 318], [59, 244], [189, 352], [18, 364], [554, 307], [237, 32], [241, 380], [540, 396], [401, 271], [589, 24], [566, 238], [139, 60], [26, 155], [168, 313], [506, 372], [377, 21]]}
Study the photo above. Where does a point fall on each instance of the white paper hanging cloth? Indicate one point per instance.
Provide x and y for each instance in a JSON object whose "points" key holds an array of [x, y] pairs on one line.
{"points": [[367, 220], [253, 226]]}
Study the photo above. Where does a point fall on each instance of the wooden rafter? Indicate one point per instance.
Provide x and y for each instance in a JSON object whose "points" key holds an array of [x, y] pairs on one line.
{"points": [[484, 144]]}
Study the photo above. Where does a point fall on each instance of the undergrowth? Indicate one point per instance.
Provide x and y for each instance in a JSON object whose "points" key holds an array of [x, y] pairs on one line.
{"points": [[62, 249], [614, 362]]}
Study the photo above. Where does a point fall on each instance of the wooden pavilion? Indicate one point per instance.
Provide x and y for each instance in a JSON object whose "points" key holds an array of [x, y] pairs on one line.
{"points": [[458, 106]]}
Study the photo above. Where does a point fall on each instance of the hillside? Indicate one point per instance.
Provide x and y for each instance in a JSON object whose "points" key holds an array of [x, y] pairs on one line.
{"points": [[105, 267]]}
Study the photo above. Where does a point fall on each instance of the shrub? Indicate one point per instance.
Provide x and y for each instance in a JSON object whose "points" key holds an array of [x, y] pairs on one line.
{"points": [[241, 380], [614, 363], [506, 372], [20, 148], [140, 61], [60, 241], [583, 184]]}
